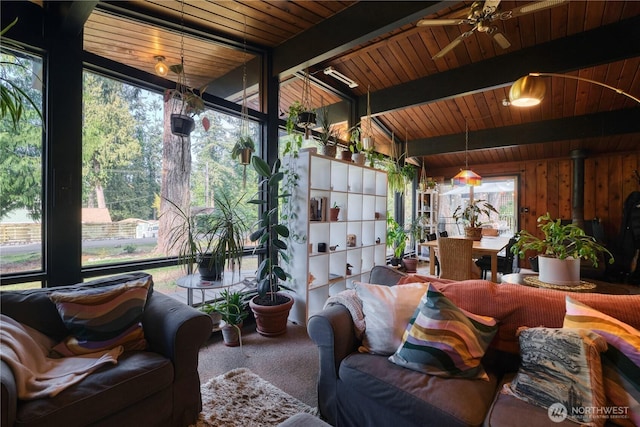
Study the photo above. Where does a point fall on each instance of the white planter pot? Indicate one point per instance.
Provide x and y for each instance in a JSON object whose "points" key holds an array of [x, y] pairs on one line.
{"points": [[359, 158], [559, 271]]}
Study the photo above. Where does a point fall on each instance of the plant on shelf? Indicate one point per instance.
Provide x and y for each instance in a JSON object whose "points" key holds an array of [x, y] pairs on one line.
{"points": [[355, 146], [328, 135], [272, 235], [233, 311], [470, 216], [567, 242], [210, 239], [396, 239]]}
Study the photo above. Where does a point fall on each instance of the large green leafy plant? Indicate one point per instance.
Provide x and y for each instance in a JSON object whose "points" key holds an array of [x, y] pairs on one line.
{"points": [[270, 232], [396, 237], [560, 241], [470, 215]]}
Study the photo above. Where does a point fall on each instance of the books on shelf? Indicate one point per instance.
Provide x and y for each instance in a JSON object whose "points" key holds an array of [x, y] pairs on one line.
{"points": [[318, 209]]}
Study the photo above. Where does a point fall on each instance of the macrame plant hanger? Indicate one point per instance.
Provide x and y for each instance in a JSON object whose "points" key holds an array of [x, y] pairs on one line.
{"points": [[244, 111]]}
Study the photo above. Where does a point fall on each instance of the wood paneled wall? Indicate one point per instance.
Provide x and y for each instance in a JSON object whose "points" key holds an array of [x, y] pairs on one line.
{"points": [[546, 185]]}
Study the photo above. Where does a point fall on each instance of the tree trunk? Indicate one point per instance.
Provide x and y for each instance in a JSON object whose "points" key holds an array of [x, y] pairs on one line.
{"points": [[100, 196], [176, 171]]}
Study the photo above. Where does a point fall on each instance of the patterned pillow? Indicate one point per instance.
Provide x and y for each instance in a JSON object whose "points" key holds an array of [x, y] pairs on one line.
{"points": [[387, 310], [444, 340], [620, 363], [102, 318], [561, 367]]}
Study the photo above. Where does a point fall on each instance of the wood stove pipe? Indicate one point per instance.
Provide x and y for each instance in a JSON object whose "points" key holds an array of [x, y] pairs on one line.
{"points": [[577, 206]]}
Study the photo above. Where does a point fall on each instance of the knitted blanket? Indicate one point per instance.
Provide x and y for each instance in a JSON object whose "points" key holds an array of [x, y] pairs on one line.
{"points": [[26, 350], [352, 302]]}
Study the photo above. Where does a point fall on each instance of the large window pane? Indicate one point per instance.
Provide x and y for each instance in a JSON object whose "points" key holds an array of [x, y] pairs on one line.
{"points": [[123, 164], [21, 167]]}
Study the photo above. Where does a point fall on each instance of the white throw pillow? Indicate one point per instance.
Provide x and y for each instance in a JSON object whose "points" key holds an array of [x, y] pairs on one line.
{"points": [[387, 311]]}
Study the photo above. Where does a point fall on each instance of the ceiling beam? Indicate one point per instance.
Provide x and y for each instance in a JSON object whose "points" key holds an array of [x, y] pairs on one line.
{"points": [[594, 47], [72, 15], [338, 33], [579, 127]]}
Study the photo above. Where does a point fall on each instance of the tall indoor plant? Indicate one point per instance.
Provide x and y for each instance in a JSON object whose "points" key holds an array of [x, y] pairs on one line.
{"points": [[210, 239], [470, 216], [271, 307], [396, 239], [560, 250]]}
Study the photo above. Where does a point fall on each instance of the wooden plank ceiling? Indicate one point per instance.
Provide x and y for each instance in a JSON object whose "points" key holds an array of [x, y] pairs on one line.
{"points": [[429, 102]]}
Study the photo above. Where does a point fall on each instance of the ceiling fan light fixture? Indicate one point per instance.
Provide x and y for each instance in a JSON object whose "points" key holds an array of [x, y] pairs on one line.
{"points": [[161, 68], [527, 91]]}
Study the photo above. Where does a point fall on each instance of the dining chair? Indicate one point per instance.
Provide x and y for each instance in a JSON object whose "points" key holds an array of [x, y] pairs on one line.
{"points": [[454, 257], [505, 262]]}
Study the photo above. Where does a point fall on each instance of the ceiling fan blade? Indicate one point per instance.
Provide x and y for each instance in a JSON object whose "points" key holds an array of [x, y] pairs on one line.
{"points": [[438, 22], [453, 44], [535, 7], [490, 6], [501, 40]]}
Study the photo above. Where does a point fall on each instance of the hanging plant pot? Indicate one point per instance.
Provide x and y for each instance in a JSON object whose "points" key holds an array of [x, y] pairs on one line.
{"points": [[182, 125], [306, 119], [245, 156], [367, 142]]}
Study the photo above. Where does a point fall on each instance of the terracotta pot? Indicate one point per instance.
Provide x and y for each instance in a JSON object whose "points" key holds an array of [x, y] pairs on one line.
{"points": [[559, 271], [410, 264], [346, 155], [329, 151], [231, 335], [333, 214], [245, 156], [359, 158], [271, 320], [474, 233]]}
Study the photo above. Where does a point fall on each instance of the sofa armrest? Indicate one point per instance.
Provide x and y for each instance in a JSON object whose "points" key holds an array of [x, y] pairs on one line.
{"points": [[8, 395], [333, 332], [175, 330]]}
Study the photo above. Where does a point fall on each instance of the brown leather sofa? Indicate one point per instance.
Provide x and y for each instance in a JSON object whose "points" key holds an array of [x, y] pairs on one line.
{"points": [[156, 387]]}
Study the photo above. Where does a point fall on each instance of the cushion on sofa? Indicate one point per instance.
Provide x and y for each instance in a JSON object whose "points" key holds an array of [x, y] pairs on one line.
{"points": [[387, 311], [518, 305], [375, 392], [561, 369], [103, 318], [444, 340], [621, 361]]}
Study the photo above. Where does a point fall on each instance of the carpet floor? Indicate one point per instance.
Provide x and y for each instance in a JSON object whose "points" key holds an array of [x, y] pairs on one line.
{"points": [[240, 398], [289, 361]]}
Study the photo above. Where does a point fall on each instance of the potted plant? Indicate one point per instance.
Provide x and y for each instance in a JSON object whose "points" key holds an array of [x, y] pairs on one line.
{"points": [[215, 315], [243, 148], [271, 307], [232, 309], [210, 239], [327, 139], [414, 232], [189, 101], [356, 147], [470, 217], [396, 240], [560, 250], [334, 212]]}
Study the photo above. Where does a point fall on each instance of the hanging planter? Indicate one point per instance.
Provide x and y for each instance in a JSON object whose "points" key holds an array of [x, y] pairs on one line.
{"points": [[182, 125], [306, 119]]}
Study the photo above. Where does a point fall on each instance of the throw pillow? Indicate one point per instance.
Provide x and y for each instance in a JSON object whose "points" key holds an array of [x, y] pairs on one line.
{"points": [[444, 340], [387, 310], [102, 318], [561, 367], [620, 363]]}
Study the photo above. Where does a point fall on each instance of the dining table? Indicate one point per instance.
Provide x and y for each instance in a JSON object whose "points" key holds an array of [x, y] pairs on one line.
{"points": [[488, 245]]}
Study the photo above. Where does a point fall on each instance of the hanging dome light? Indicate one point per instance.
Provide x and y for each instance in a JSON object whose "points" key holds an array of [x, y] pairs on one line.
{"points": [[160, 67], [527, 91]]}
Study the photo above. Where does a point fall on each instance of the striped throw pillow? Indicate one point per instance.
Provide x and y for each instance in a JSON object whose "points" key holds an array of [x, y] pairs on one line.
{"points": [[102, 318], [444, 340], [620, 363]]}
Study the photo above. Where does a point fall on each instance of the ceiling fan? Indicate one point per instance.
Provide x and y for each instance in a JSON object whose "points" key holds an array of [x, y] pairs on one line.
{"points": [[482, 15]]}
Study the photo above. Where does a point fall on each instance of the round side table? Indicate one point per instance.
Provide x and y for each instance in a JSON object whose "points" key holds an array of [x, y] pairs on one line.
{"points": [[193, 281]]}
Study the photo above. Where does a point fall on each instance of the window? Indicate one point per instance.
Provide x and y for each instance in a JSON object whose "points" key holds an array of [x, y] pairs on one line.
{"points": [[21, 160], [122, 170], [500, 192]]}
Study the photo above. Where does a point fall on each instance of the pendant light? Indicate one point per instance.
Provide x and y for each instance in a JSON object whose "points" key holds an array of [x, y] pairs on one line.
{"points": [[160, 68], [466, 176]]}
